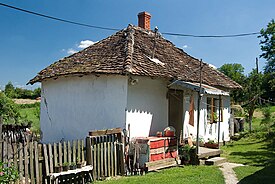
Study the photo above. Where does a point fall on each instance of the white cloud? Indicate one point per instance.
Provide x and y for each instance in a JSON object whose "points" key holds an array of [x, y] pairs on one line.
{"points": [[85, 43], [185, 46], [71, 51]]}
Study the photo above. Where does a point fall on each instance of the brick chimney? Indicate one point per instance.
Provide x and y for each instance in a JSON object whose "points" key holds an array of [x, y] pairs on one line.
{"points": [[144, 20]]}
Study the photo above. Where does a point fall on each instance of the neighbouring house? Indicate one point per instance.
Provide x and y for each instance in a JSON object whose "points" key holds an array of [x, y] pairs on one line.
{"points": [[134, 79]]}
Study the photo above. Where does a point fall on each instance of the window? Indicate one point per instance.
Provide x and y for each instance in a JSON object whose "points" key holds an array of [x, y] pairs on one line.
{"points": [[213, 110]]}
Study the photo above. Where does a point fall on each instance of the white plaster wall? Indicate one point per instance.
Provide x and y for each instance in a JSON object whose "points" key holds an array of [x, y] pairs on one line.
{"points": [[204, 128], [72, 106], [149, 95]]}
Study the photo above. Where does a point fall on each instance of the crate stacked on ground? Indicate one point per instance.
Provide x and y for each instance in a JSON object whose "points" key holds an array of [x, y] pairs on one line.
{"points": [[155, 152]]}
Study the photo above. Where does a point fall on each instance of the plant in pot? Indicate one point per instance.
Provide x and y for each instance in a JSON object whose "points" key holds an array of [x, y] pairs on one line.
{"points": [[72, 166], [211, 144], [79, 163], [185, 153], [57, 168], [66, 166]]}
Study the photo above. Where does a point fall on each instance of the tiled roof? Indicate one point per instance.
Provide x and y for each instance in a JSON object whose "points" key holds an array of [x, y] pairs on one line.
{"points": [[130, 51]]}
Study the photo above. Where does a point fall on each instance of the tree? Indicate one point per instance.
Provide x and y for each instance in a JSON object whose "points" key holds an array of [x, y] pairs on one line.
{"points": [[8, 109], [252, 90], [267, 44], [9, 90], [235, 71]]}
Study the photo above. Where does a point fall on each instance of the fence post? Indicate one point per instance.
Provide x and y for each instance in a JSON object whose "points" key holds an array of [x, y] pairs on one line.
{"points": [[88, 151]]}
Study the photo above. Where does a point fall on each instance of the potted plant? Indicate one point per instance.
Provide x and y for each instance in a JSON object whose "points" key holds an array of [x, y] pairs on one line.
{"points": [[211, 144], [79, 163], [185, 153], [66, 166], [57, 168], [72, 166]]}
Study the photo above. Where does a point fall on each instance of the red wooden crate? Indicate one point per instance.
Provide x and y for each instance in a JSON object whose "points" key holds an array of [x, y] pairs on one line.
{"points": [[157, 144], [172, 154], [154, 157]]}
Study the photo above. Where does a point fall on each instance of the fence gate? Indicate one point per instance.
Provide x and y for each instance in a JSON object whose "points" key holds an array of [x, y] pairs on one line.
{"points": [[105, 151]]}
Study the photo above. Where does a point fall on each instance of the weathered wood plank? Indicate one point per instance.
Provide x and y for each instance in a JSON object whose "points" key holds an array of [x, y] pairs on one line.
{"points": [[74, 151], [26, 163], [65, 156], [36, 160], [88, 151], [78, 150], [21, 161], [101, 157], [109, 155], [94, 157], [60, 155], [55, 156], [168, 162], [98, 157], [82, 151], [15, 156], [31, 162], [105, 156], [105, 132], [46, 159], [112, 155], [115, 156], [51, 158], [69, 152]]}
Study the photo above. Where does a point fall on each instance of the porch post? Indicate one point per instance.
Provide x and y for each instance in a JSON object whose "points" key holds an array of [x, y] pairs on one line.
{"points": [[219, 123], [199, 103]]}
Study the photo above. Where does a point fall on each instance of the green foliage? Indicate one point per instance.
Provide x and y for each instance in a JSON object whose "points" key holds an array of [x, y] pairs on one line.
{"points": [[8, 109], [13, 92], [267, 43], [235, 72], [268, 46], [8, 174], [268, 119]]}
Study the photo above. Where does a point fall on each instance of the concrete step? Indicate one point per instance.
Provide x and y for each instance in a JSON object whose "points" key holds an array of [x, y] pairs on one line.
{"points": [[215, 161]]}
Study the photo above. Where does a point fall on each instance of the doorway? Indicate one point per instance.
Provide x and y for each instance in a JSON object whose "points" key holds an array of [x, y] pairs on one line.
{"points": [[175, 110]]}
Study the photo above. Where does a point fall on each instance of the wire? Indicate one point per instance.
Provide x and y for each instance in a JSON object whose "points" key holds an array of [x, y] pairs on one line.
{"points": [[115, 29], [212, 36], [58, 19]]}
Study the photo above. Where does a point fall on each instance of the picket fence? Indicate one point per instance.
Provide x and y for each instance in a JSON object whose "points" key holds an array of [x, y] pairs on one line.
{"points": [[35, 161]]}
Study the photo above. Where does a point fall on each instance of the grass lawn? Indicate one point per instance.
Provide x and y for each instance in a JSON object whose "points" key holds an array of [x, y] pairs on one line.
{"points": [[187, 174], [257, 152], [30, 114]]}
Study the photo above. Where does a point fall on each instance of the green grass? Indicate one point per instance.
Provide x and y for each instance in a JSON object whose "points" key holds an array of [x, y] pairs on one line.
{"points": [[257, 151], [176, 175], [30, 114]]}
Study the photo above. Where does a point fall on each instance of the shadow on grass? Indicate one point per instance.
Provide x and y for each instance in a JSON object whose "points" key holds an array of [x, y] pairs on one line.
{"points": [[256, 158], [266, 175]]}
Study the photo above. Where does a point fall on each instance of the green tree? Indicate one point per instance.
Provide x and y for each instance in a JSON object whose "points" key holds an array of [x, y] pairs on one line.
{"points": [[252, 90], [235, 71], [8, 109], [267, 44], [9, 90]]}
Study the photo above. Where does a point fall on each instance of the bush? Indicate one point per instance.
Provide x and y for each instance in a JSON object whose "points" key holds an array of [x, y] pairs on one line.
{"points": [[7, 174]]}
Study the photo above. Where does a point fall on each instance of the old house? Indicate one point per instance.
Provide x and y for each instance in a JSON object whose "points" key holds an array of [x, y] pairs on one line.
{"points": [[135, 77]]}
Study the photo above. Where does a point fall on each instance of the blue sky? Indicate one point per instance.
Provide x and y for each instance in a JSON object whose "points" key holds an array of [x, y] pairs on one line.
{"points": [[29, 43]]}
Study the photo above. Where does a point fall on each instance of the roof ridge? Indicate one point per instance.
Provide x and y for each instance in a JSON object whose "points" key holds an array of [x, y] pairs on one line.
{"points": [[129, 49]]}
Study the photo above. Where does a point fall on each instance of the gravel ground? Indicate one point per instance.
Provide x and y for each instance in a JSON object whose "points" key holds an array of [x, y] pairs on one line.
{"points": [[228, 172]]}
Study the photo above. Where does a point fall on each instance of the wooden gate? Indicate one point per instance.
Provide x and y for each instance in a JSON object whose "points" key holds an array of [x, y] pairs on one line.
{"points": [[105, 151]]}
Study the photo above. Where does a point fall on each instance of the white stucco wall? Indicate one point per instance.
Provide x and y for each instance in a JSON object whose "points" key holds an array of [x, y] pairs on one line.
{"points": [[149, 95], [71, 106], [206, 130]]}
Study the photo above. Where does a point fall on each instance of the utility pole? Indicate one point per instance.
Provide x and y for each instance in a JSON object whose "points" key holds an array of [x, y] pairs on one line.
{"points": [[199, 103]]}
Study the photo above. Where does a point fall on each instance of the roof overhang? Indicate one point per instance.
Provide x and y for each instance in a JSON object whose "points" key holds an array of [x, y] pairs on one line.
{"points": [[205, 89]]}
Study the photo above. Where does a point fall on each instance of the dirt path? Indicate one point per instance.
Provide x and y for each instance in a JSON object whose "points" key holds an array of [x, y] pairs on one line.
{"points": [[228, 172]]}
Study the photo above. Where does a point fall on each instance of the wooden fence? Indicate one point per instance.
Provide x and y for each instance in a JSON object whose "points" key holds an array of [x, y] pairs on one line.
{"points": [[35, 161], [105, 151]]}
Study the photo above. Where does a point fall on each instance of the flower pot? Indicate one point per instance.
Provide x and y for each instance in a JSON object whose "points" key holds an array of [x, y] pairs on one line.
{"points": [[72, 167], [57, 169], [212, 145], [65, 168], [78, 165]]}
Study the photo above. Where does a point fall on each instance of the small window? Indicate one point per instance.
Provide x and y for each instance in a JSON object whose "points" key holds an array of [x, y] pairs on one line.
{"points": [[213, 110]]}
